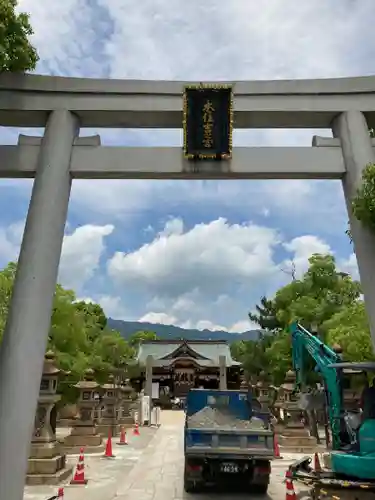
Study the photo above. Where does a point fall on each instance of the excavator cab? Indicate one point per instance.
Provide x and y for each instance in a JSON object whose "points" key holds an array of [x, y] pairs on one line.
{"points": [[363, 372], [359, 427]]}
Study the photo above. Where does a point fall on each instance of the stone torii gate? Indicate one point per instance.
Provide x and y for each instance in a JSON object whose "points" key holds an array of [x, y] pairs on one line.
{"points": [[63, 106]]}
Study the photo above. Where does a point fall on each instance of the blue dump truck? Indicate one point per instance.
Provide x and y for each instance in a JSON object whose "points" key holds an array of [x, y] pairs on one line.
{"points": [[226, 441]]}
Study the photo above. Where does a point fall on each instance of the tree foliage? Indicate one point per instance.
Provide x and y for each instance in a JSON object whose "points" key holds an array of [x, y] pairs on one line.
{"points": [[350, 329], [141, 336], [363, 204], [16, 52], [265, 315], [79, 336], [323, 300]]}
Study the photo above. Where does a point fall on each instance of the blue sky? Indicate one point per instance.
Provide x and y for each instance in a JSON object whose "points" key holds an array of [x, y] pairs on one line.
{"points": [[196, 254]]}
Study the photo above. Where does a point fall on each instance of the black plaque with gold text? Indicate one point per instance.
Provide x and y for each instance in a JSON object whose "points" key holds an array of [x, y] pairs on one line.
{"points": [[208, 121]]}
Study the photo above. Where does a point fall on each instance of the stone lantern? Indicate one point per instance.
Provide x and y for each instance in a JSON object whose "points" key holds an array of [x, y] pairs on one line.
{"points": [[47, 465], [126, 402], [294, 437], [111, 393], [85, 432], [263, 391]]}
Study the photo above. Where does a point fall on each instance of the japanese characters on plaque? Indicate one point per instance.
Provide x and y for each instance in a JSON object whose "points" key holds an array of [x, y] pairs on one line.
{"points": [[208, 122]]}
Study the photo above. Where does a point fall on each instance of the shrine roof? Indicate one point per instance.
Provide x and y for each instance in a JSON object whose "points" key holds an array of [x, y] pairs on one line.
{"points": [[204, 352]]}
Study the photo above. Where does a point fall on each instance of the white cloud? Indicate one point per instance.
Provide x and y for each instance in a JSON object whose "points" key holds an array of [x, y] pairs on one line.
{"points": [[10, 240], [195, 41], [172, 226], [243, 326], [81, 253], [158, 317], [302, 248], [350, 266], [112, 306], [208, 257], [191, 41], [213, 271]]}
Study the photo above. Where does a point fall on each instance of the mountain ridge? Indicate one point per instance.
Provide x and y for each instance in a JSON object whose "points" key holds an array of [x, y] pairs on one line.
{"points": [[165, 332]]}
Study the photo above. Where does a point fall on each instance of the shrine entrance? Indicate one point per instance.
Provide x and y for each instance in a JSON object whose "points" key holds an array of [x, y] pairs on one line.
{"points": [[64, 105], [184, 378]]}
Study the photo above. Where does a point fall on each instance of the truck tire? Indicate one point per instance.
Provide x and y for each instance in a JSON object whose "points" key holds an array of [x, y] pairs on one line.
{"points": [[261, 489], [191, 486]]}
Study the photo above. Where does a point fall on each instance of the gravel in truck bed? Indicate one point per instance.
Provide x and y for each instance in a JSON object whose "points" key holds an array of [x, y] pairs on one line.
{"points": [[210, 418]]}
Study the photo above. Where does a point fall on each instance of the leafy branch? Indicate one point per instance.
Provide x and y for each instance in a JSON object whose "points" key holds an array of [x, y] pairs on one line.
{"points": [[363, 205]]}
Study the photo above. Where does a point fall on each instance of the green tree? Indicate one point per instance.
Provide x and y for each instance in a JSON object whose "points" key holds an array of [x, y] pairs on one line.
{"points": [[95, 319], [253, 355], [16, 52], [266, 315], [78, 336], [313, 300], [350, 329], [141, 336]]}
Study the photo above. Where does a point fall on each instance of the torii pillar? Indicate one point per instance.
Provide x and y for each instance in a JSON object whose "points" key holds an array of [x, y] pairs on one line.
{"points": [[29, 318], [352, 130]]}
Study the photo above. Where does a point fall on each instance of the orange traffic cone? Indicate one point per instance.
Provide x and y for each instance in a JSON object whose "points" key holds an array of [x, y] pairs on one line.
{"points": [[108, 448], [136, 430], [290, 493], [79, 475], [123, 440], [276, 447], [60, 494], [317, 466]]}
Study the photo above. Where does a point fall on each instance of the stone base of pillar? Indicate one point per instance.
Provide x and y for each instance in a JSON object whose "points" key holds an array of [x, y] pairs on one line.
{"points": [[126, 422], [86, 437], [47, 465], [295, 438]]}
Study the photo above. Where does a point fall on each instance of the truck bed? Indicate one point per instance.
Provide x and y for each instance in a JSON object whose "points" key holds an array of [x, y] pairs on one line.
{"points": [[213, 432], [229, 442]]}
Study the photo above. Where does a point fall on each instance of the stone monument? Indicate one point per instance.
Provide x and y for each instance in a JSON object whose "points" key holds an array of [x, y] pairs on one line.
{"points": [[47, 465], [111, 393], [85, 432]]}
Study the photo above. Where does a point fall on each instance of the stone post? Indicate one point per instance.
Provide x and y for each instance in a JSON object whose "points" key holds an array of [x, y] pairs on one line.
{"points": [[352, 130], [148, 388], [84, 432], [109, 417], [148, 384], [46, 464], [222, 373]]}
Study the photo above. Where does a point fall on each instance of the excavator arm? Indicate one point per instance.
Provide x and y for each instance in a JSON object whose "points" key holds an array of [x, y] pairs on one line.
{"points": [[303, 343]]}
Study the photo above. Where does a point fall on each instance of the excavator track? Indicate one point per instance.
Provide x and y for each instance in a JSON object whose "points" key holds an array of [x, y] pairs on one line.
{"points": [[326, 485]]}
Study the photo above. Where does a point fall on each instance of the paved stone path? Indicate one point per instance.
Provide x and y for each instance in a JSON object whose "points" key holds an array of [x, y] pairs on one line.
{"points": [[151, 468]]}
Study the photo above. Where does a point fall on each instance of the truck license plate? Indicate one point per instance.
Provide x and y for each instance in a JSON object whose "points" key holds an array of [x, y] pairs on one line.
{"points": [[229, 468]]}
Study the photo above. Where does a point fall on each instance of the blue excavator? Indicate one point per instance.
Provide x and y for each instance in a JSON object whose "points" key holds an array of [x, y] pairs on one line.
{"points": [[353, 437]]}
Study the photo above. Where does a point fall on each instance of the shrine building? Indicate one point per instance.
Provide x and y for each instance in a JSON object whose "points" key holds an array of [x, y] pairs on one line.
{"points": [[179, 365]]}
